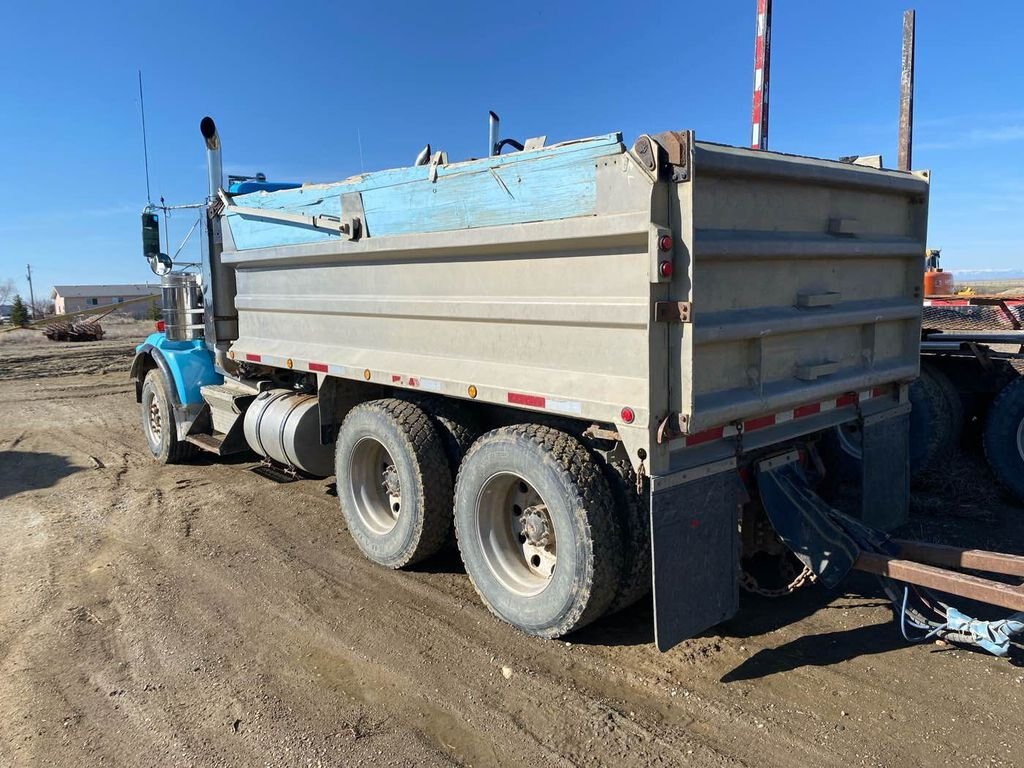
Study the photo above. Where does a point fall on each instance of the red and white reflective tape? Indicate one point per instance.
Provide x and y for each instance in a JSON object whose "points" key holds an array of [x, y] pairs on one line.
{"points": [[770, 420], [296, 365], [762, 55], [547, 403], [946, 302], [416, 382]]}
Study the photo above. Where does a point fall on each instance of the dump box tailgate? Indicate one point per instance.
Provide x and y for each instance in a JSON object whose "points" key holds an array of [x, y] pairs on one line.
{"points": [[804, 280]]}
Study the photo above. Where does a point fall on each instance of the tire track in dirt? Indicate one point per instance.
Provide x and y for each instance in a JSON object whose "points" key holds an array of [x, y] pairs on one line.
{"points": [[202, 615]]}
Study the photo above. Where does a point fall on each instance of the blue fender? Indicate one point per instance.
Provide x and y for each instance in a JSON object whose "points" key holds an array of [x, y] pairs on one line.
{"points": [[188, 366]]}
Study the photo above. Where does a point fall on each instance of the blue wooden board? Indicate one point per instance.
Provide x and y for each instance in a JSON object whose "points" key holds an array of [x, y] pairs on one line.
{"points": [[541, 185]]}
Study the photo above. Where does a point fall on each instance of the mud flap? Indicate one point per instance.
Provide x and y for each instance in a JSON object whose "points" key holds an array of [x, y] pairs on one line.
{"points": [[695, 548], [885, 470]]}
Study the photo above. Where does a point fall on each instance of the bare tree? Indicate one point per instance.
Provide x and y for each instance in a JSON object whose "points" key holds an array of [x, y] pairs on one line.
{"points": [[6, 290], [42, 308]]}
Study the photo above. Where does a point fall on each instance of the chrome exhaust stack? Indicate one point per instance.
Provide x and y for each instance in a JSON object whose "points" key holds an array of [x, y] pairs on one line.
{"points": [[492, 125], [214, 165], [221, 316]]}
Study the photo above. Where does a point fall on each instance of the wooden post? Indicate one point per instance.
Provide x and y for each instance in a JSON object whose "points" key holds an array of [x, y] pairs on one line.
{"points": [[906, 136]]}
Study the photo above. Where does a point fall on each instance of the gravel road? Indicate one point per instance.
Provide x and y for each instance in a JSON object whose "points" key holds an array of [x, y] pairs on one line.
{"points": [[202, 615]]}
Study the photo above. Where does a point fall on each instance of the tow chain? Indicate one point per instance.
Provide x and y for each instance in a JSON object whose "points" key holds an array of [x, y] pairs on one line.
{"points": [[750, 583]]}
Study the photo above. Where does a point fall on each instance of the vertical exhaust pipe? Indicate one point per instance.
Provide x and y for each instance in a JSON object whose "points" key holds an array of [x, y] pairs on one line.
{"points": [[214, 165], [493, 121], [218, 278]]}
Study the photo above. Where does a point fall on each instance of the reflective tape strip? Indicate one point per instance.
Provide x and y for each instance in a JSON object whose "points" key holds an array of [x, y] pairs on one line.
{"points": [[771, 420], [532, 401], [565, 406]]}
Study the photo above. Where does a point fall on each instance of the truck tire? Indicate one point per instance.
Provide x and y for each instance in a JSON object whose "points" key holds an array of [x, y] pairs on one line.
{"points": [[456, 427], [1004, 437], [936, 423], [944, 413], [632, 510], [393, 482], [158, 423], [536, 529]]}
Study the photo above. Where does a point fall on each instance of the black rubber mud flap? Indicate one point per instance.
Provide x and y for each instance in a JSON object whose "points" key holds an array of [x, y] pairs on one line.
{"points": [[695, 549], [885, 470]]}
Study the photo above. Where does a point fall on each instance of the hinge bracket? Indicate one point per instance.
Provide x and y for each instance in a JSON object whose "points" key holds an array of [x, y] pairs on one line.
{"points": [[672, 312]]}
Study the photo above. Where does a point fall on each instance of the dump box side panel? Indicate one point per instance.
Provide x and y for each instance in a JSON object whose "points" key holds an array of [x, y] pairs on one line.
{"points": [[551, 315], [806, 283]]}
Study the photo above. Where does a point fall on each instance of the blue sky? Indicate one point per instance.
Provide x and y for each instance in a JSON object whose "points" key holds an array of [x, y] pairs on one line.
{"points": [[297, 87]]}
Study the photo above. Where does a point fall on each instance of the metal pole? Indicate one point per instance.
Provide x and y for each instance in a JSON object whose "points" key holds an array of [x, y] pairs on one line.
{"points": [[492, 133], [762, 58], [145, 144], [31, 293], [906, 136]]}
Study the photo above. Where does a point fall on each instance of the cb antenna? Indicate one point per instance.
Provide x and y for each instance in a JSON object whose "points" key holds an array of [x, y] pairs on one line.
{"points": [[145, 145]]}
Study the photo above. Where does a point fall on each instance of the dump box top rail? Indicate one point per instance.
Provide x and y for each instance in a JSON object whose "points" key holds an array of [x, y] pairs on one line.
{"points": [[537, 279]]}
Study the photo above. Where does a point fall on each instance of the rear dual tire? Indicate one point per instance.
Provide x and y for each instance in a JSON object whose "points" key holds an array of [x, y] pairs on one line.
{"points": [[393, 482], [537, 530], [540, 522]]}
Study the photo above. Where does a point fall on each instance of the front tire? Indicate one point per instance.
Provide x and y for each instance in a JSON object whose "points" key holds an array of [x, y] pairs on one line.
{"points": [[536, 529], [393, 482], [158, 423]]}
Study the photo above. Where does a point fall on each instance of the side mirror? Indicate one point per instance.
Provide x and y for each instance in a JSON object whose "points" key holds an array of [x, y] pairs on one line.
{"points": [[160, 263]]}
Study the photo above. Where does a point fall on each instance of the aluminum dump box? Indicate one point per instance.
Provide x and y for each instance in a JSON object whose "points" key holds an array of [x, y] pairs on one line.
{"points": [[697, 298]]}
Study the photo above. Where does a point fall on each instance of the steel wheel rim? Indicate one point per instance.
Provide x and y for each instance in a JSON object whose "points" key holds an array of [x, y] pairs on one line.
{"points": [[1020, 439], [375, 486], [154, 419], [516, 534]]}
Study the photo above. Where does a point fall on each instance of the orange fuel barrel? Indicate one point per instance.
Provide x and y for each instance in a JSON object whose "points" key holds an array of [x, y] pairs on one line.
{"points": [[938, 283]]}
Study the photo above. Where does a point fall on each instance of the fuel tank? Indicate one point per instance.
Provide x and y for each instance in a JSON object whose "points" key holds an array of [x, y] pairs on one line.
{"points": [[285, 426]]}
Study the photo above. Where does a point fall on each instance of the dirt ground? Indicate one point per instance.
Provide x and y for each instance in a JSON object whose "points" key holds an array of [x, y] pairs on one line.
{"points": [[202, 615]]}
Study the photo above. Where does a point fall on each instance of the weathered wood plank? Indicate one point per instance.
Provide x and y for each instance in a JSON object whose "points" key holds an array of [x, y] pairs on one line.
{"points": [[552, 183]]}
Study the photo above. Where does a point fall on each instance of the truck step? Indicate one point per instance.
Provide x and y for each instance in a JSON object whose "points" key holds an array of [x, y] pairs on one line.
{"points": [[211, 443], [227, 404]]}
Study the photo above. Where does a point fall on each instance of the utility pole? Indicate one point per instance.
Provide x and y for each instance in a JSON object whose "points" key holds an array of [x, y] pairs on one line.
{"points": [[31, 293], [762, 57], [906, 135]]}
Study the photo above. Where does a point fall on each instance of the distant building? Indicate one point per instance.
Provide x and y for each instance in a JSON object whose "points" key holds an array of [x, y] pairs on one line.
{"points": [[77, 298]]}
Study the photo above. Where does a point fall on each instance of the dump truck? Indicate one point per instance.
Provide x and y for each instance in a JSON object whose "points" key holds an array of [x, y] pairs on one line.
{"points": [[568, 360]]}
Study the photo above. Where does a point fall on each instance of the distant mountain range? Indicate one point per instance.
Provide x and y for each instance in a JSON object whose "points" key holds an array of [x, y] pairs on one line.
{"points": [[986, 275]]}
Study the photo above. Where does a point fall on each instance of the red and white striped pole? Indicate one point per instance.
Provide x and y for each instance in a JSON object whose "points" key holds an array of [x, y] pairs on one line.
{"points": [[762, 55]]}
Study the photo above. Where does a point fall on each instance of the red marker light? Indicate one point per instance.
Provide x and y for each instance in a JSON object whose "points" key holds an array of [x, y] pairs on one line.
{"points": [[160, 326], [627, 415], [665, 269], [665, 242]]}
